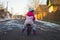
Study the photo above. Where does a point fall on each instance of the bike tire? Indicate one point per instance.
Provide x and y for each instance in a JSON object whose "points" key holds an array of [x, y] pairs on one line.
{"points": [[28, 31]]}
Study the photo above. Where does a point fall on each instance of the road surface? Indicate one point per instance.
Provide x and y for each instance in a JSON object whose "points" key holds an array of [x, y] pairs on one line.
{"points": [[14, 33]]}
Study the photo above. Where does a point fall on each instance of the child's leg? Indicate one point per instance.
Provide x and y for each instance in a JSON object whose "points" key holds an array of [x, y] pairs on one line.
{"points": [[34, 29], [24, 27]]}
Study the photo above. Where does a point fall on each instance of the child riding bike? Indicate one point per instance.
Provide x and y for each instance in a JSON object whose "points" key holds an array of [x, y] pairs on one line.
{"points": [[29, 19]]}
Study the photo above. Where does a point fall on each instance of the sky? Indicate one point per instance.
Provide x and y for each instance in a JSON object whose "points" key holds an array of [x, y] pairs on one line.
{"points": [[18, 6]]}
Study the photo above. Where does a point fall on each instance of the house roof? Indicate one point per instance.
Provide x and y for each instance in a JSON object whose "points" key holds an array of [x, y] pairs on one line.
{"points": [[42, 7]]}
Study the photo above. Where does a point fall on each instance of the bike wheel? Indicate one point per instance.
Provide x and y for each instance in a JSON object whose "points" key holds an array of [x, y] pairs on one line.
{"points": [[28, 31]]}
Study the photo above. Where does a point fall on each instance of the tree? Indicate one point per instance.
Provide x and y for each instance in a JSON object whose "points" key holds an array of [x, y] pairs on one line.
{"points": [[47, 2]]}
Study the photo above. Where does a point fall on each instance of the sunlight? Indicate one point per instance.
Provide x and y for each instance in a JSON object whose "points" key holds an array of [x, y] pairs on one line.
{"points": [[18, 6], [51, 9]]}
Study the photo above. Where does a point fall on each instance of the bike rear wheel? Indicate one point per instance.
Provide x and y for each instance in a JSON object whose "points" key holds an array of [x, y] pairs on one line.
{"points": [[28, 31], [29, 28]]}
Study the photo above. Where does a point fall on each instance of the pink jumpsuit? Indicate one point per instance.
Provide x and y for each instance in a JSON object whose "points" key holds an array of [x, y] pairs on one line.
{"points": [[30, 20]]}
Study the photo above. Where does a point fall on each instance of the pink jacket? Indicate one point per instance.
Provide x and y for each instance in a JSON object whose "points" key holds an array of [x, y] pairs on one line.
{"points": [[30, 14]]}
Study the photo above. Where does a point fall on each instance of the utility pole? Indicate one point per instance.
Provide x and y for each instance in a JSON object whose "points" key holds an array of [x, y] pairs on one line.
{"points": [[7, 9], [7, 6], [11, 12]]}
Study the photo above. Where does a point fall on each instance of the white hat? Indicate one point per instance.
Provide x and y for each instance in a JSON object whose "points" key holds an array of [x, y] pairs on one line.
{"points": [[30, 9]]}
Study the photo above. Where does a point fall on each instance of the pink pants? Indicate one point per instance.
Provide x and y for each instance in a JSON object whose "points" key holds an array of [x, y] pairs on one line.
{"points": [[31, 23]]}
